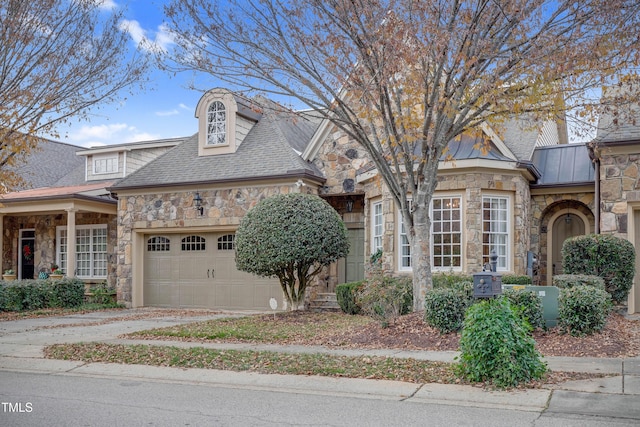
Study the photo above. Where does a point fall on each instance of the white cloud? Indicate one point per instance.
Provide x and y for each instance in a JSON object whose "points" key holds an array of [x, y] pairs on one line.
{"points": [[101, 135], [184, 107], [173, 112], [106, 4], [158, 41], [99, 132]]}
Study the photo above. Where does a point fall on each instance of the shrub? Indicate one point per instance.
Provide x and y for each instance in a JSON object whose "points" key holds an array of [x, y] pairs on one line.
{"points": [[512, 279], [609, 257], [291, 237], [385, 298], [583, 310], [528, 304], [346, 296], [444, 308], [446, 280], [564, 281], [38, 294], [496, 346], [102, 294]]}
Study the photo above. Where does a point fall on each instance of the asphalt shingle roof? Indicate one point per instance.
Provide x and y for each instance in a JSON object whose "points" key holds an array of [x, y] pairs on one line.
{"points": [[268, 150], [52, 164]]}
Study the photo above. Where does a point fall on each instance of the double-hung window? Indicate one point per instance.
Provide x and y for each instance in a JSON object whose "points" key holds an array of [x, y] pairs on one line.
{"points": [[91, 250], [105, 164], [446, 235], [495, 230], [376, 227]]}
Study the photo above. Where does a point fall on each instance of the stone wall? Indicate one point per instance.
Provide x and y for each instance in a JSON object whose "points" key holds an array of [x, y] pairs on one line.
{"points": [[45, 239], [223, 208], [471, 186], [620, 183]]}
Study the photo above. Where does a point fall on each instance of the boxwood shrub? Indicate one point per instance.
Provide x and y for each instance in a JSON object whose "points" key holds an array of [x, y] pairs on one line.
{"points": [[583, 310], [496, 346], [444, 307], [528, 304], [446, 280], [37, 294], [512, 279], [346, 296], [609, 257], [564, 281]]}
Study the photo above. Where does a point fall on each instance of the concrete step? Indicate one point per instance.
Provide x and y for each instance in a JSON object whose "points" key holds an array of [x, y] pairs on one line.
{"points": [[324, 302]]}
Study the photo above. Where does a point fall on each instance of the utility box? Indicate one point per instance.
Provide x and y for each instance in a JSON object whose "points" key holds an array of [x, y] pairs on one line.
{"points": [[487, 284], [549, 295]]}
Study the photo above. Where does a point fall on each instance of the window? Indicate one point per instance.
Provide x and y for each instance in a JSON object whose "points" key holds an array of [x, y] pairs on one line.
{"points": [[105, 164], [446, 233], [158, 244], [377, 227], [193, 243], [216, 124], [446, 236], [495, 229], [91, 250], [226, 242]]}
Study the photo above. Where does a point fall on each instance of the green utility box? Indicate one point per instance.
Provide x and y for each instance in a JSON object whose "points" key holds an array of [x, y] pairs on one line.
{"points": [[549, 295]]}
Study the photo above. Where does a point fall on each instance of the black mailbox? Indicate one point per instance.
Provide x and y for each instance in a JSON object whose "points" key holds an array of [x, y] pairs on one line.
{"points": [[487, 284]]}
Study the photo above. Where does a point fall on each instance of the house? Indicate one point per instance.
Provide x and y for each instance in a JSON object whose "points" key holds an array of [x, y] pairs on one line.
{"points": [[157, 219]]}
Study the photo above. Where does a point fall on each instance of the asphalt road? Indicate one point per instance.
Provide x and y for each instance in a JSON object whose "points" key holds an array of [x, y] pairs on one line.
{"points": [[44, 399]]}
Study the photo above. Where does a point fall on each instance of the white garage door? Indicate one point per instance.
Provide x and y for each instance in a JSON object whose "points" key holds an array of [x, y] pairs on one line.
{"points": [[199, 271]]}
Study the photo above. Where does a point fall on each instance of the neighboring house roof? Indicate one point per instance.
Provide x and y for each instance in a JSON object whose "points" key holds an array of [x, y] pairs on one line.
{"points": [[521, 137], [620, 123], [563, 165], [468, 147], [52, 162], [93, 190], [270, 149]]}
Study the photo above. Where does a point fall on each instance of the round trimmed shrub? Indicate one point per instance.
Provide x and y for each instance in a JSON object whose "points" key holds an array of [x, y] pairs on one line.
{"points": [[609, 257], [444, 309], [529, 306], [346, 296], [583, 310], [496, 346]]}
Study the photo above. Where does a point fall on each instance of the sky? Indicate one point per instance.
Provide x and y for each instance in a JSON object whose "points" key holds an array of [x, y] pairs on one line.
{"points": [[165, 109]]}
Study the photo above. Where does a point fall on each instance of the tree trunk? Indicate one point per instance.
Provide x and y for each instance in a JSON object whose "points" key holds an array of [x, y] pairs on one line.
{"points": [[420, 255]]}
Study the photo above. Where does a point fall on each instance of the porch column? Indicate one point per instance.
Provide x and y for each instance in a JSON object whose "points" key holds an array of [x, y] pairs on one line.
{"points": [[71, 243]]}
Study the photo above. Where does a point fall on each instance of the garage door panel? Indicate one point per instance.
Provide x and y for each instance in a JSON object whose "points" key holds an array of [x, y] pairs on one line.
{"points": [[200, 272]]}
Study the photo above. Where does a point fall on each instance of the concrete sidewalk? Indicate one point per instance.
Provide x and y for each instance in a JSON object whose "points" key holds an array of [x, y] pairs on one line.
{"points": [[22, 341]]}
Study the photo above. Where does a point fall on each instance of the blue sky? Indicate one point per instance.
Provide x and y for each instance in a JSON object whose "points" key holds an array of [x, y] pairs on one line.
{"points": [[164, 110]]}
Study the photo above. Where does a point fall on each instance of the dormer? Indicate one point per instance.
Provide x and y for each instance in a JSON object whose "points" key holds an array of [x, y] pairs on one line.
{"points": [[224, 120]]}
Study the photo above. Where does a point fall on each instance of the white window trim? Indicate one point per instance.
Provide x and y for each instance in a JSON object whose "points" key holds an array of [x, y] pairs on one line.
{"points": [[225, 122], [509, 225], [401, 235], [462, 232], [105, 157], [59, 230], [374, 236]]}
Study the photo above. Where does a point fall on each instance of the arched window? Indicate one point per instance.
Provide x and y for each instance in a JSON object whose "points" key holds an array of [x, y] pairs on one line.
{"points": [[216, 124], [193, 243], [158, 244], [226, 242]]}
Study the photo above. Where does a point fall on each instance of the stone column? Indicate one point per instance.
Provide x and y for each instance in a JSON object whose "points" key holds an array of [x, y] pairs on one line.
{"points": [[71, 242]]}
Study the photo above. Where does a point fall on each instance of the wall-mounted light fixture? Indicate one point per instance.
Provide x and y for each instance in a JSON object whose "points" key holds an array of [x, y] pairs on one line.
{"points": [[197, 200], [567, 218], [349, 204]]}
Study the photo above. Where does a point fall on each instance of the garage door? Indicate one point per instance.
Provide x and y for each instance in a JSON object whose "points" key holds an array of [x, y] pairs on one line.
{"points": [[199, 271]]}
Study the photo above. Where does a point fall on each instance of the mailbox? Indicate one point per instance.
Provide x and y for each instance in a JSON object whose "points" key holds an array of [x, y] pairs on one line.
{"points": [[487, 284]]}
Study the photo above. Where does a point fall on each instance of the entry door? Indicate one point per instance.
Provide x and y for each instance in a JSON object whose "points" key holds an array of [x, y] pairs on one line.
{"points": [[351, 268], [564, 227], [26, 254]]}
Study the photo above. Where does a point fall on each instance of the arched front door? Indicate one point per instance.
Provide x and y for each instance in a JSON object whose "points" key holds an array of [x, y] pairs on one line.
{"points": [[564, 226]]}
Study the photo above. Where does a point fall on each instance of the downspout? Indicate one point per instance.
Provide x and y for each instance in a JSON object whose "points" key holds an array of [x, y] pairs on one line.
{"points": [[595, 158]]}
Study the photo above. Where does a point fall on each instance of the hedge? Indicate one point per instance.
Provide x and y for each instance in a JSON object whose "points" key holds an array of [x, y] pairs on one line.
{"points": [[346, 294], [564, 281], [38, 294], [609, 257]]}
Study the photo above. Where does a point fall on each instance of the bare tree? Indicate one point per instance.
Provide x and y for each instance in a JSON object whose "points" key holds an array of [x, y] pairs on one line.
{"points": [[405, 77], [58, 58]]}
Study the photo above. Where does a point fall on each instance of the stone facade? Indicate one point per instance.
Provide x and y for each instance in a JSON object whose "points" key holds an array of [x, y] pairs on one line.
{"points": [[619, 184], [470, 186], [223, 209], [45, 239]]}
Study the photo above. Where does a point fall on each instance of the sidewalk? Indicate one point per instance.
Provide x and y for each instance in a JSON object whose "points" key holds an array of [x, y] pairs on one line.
{"points": [[22, 341]]}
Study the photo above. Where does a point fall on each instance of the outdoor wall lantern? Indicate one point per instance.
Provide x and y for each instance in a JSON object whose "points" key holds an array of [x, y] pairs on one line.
{"points": [[567, 219], [198, 202], [349, 204]]}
